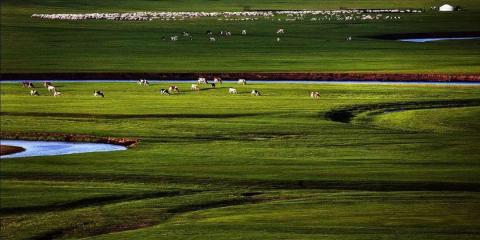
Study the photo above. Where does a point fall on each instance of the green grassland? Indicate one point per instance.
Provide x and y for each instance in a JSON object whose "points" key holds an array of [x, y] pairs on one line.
{"points": [[217, 166], [30, 45]]}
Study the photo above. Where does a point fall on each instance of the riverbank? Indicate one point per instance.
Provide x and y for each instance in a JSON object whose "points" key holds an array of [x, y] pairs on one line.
{"points": [[7, 150], [63, 137], [305, 76]]}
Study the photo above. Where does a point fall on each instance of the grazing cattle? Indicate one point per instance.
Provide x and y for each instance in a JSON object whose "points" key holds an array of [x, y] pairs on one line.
{"points": [[173, 89], [46, 84], [315, 95], [228, 34], [98, 94], [195, 87], [278, 39], [202, 80], [281, 31], [244, 32], [208, 32], [143, 82], [56, 94], [51, 89], [255, 93], [217, 80], [232, 91], [212, 39], [242, 81], [28, 84], [174, 38], [213, 85], [34, 93], [164, 92], [349, 38], [185, 34]]}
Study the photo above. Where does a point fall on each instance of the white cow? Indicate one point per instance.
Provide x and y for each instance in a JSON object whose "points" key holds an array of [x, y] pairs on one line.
{"points": [[34, 93], [281, 31], [195, 87], [242, 81], [202, 80], [51, 88], [143, 82], [315, 95], [56, 94], [212, 39], [278, 39], [232, 91], [173, 89], [255, 93], [217, 80], [244, 32]]}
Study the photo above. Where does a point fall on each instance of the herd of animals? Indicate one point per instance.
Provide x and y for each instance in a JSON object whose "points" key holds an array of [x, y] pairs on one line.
{"points": [[211, 35], [171, 90]]}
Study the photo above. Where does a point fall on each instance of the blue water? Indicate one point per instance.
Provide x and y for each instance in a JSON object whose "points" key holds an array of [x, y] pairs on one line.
{"points": [[423, 40], [262, 81], [46, 148]]}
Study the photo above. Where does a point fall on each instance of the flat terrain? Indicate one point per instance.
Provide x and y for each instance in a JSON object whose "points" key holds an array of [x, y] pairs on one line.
{"points": [[398, 162], [31, 45]]}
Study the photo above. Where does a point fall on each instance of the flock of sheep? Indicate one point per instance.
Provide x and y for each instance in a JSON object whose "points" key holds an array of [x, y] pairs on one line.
{"points": [[317, 15], [171, 90]]}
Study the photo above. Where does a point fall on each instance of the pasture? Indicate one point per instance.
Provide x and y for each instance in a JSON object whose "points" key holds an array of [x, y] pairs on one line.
{"points": [[33, 45], [355, 161], [214, 165]]}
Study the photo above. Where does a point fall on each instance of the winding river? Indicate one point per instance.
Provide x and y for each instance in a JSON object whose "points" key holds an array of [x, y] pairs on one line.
{"points": [[47, 148]]}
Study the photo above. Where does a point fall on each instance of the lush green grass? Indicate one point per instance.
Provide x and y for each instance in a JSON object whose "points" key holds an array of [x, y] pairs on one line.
{"points": [[34, 45], [386, 176]]}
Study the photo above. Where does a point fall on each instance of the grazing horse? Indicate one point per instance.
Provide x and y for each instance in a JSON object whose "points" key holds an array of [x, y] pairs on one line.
{"points": [[281, 31], [51, 89], [56, 94], [195, 87], [46, 84], [164, 92], [34, 93], [202, 80], [255, 93], [232, 91], [98, 94], [242, 81], [217, 80], [173, 89], [315, 95]]}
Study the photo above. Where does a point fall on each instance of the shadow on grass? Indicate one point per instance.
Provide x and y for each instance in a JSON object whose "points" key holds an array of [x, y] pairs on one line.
{"points": [[346, 114]]}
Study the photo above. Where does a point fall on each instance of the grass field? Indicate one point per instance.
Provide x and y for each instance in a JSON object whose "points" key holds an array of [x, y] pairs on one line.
{"points": [[217, 166], [32, 45], [362, 162]]}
